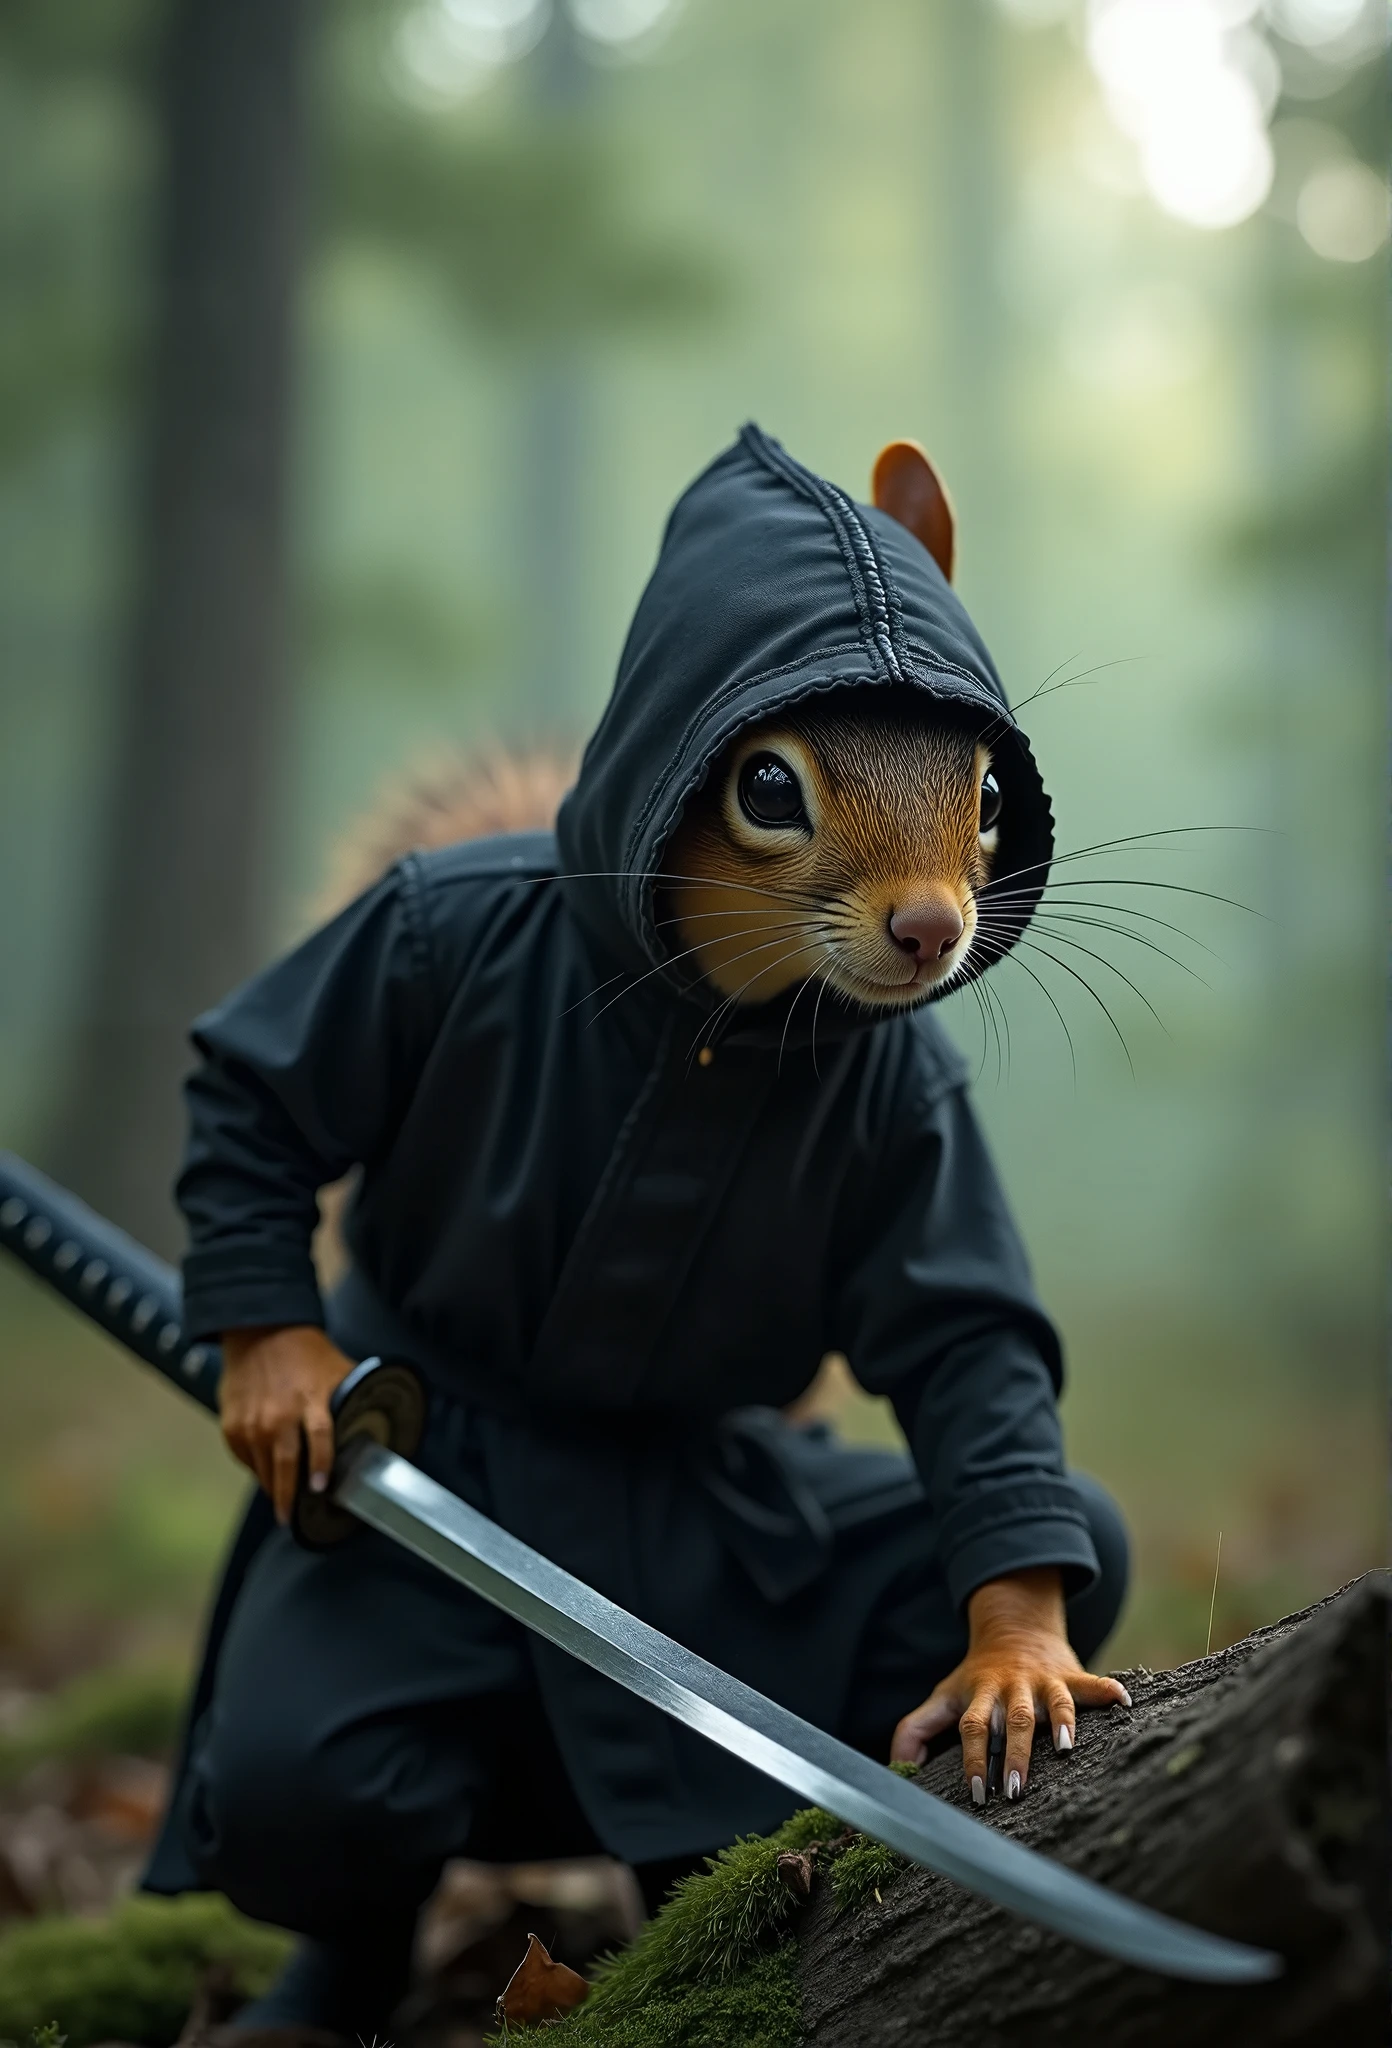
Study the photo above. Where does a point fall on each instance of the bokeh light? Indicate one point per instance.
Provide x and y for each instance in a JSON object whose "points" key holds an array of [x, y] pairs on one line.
{"points": [[631, 25], [1315, 22], [447, 50], [1343, 211], [1191, 85]]}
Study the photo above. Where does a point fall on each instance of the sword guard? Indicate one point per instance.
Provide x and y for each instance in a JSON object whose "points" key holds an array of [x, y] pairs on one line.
{"points": [[382, 1400]]}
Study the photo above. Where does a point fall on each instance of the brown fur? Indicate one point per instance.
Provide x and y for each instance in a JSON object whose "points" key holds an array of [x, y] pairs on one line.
{"points": [[893, 792], [441, 804], [905, 484]]}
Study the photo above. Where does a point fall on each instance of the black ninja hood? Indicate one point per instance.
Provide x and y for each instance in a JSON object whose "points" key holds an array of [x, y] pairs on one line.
{"points": [[772, 585]]}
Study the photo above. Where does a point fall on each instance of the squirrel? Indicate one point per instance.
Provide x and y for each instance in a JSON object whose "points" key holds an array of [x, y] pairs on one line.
{"points": [[845, 845], [616, 1250]]}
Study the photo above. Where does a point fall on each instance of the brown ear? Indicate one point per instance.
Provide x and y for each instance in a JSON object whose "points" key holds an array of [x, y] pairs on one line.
{"points": [[905, 484]]}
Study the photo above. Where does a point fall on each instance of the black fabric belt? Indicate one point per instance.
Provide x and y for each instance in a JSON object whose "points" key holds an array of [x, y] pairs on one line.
{"points": [[780, 1494]]}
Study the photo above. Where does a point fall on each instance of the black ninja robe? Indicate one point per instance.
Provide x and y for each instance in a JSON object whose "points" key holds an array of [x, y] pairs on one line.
{"points": [[617, 1261]]}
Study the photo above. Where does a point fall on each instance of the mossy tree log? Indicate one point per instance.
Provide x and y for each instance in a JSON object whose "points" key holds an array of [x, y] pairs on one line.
{"points": [[1246, 1793]]}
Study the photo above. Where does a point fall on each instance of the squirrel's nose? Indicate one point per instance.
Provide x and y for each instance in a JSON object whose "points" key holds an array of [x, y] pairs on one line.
{"points": [[927, 928]]}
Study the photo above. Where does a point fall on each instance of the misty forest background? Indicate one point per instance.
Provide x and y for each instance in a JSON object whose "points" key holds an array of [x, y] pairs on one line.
{"points": [[357, 449]]}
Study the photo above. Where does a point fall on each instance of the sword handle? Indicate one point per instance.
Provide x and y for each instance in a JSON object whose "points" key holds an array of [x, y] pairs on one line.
{"points": [[137, 1299], [119, 1285], [381, 1401]]}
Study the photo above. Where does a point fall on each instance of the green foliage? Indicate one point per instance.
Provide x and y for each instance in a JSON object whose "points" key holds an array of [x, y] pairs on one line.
{"points": [[131, 1976], [130, 1711], [50, 2035]]}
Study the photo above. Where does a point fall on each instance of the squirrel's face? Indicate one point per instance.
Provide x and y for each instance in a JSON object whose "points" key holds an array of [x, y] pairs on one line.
{"points": [[845, 842]]}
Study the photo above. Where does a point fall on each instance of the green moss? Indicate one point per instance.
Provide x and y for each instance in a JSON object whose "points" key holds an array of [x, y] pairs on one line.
{"points": [[863, 1869], [757, 2008], [130, 1711], [713, 1968], [716, 1921], [716, 1967], [131, 1976]]}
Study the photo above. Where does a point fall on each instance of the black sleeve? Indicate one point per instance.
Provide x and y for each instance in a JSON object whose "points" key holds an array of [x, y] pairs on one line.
{"points": [[938, 1312], [303, 1073]]}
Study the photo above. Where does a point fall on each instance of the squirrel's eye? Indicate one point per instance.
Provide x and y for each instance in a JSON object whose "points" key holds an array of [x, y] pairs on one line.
{"points": [[769, 792], [990, 801]]}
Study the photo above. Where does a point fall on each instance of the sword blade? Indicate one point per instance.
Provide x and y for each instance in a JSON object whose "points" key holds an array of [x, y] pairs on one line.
{"points": [[394, 1497]]}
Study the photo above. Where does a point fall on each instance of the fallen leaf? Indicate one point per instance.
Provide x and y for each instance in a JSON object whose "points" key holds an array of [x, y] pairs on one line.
{"points": [[123, 1795], [539, 1989]]}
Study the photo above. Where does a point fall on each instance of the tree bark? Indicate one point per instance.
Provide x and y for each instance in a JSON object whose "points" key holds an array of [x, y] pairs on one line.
{"points": [[1246, 1793], [180, 914]]}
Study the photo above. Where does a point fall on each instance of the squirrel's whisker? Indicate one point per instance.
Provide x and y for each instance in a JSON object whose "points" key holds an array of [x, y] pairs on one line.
{"points": [[1085, 983], [802, 897], [1071, 682], [719, 1015], [802, 991], [998, 955], [670, 962], [1069, 904], [1057, 919], [698, 916], [816, 1012], [1059, 938], [1050, 921], [974, 987], [996, 1001], [978, 988], [1116, 882]]}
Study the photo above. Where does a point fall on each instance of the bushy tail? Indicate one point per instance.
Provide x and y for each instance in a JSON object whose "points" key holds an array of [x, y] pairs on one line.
{"points": [[462, 797]]}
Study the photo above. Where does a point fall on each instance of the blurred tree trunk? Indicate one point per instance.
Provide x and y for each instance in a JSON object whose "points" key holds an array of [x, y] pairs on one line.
{"points": [[180, 901], [552, 448]]}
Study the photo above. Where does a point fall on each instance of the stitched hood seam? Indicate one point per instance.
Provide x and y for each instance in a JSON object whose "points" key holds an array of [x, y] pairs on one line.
{"points": [[876, 601]]}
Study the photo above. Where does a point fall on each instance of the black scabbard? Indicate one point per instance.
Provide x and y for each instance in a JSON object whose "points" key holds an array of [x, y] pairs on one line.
{"points": [[118, 1284]]}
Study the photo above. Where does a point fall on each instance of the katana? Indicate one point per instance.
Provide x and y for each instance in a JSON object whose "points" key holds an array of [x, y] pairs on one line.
{"points": [[378, 1414]]}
